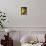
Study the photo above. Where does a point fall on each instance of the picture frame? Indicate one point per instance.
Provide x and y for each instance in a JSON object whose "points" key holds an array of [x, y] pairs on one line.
{"points": [[23, 10]]}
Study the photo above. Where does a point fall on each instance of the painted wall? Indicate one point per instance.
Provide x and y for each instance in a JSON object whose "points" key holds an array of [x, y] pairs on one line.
{"points": [[34, 18]]}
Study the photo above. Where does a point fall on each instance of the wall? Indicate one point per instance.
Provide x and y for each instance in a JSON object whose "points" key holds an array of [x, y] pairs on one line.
{"points": [[36, 18], [34, 21]]}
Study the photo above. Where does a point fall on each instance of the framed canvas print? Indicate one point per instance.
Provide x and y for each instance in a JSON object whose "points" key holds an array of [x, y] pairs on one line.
{"points": [[23, 10]]}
